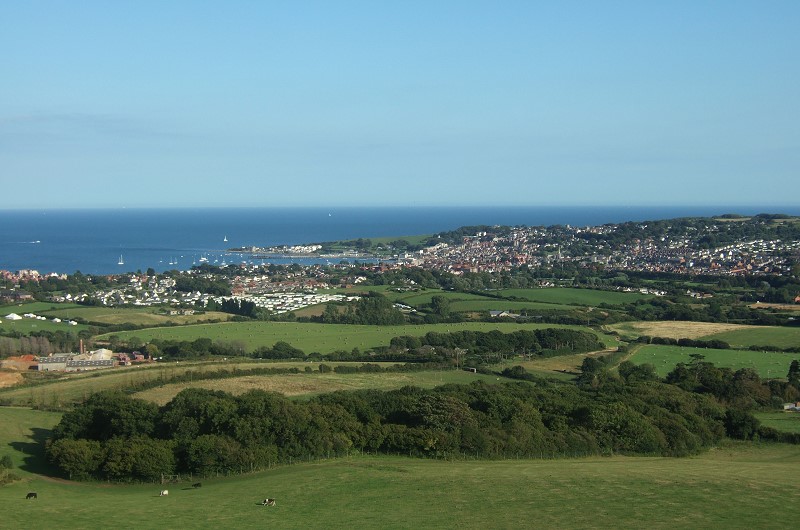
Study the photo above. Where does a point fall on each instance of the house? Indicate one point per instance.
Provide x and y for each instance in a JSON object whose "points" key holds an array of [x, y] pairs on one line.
{"points": [[14, 295], [792, 407]]}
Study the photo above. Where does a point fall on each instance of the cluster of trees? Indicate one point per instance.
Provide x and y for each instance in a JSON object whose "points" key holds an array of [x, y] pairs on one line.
{"points": [[203, 283], [236, 306], [742, 388], [39, 342], [371, 309], [113, 436], [715, 344], [534, 342]]}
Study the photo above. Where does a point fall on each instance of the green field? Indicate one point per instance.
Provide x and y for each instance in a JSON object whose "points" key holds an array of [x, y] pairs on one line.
{"points": [[28, 325], [66, 389], [664, 359], [488, 304], [33, 307], [306, 385], [782, 421], [322, 338], [781, 337], [571, 296], [145, 316], [737, 485]]}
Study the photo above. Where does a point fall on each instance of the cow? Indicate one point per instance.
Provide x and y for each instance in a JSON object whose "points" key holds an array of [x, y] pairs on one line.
{"points": [[268, 502], [196, 485], [164, 493], [31, 495]]}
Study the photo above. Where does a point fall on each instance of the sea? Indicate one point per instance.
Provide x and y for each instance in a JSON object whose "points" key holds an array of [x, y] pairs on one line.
{"points": [[109, 241]]}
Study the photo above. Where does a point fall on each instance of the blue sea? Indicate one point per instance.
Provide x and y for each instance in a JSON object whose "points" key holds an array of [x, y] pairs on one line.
{"points": [[93, 241]]}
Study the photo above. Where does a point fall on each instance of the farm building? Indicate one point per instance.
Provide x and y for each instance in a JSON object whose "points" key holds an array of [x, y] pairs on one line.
{"points": [[53, 363], [77, 362], [78, 366]]}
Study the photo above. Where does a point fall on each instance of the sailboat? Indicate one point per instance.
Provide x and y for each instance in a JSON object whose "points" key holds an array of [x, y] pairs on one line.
{"points": [[225, 239], [120, 262]]}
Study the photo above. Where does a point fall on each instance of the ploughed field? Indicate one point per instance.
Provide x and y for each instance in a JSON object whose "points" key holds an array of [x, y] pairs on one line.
{"points": [[321, 338], [736, 485]]}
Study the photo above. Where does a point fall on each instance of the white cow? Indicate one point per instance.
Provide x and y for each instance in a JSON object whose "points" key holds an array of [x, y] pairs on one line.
{"points": [[164, 493], [268, 502]]}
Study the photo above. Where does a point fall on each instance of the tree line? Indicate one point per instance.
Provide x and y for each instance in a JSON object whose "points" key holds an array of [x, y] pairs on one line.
{"points": [[114, 436]]}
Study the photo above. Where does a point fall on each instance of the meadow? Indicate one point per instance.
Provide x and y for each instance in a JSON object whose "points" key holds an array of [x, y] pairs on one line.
{"points": [[61, 390], [306, 385], [735, 485], [737, 335], [780, 337], [144, 316], [781, 421], [321, 338], [572, 296], [664, 359]]}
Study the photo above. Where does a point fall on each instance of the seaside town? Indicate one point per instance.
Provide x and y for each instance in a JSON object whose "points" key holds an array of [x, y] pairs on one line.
{"points": [[677, 248]]}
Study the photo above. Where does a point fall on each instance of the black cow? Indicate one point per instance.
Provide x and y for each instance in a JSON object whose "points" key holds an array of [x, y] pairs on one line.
{"points": [[268, 502], [31, 495], [196, 485]]}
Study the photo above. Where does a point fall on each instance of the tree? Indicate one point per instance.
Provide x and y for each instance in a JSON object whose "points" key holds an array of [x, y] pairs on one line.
{"points": [[80, 459], [440, 306], [794, 374]]}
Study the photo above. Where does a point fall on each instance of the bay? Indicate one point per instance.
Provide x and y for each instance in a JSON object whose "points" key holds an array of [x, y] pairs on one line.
{"points": [[93, 241]]}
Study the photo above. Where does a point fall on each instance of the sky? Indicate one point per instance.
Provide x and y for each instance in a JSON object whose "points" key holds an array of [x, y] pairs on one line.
{"points": [[406, 103]]}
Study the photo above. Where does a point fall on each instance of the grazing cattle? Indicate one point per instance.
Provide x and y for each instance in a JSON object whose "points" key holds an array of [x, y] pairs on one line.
{"points": [[196, 485], [164, 493], [31, 495], [268, 502]]}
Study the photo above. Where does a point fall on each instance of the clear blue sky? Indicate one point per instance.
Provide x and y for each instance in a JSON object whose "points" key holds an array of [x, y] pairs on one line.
{"points": [[335, 103]]}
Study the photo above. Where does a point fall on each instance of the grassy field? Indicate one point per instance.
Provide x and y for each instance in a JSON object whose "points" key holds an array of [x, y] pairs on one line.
{"points": [[738, 336], [28, 325], [322, 338], [673, 329], [145, 316], [735, 486], [20, 431], [780, 337], [33, 307], [488, 304], [570, 296], [73, 388], [664, 358], [306, 385], [782, 421]]}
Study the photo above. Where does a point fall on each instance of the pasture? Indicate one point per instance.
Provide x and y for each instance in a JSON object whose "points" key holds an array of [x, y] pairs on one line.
{"points": [[321, 338], [34, 307], [664, 358], [572, 296], [30, 325], [66, 389], [781, 421], [307, 385], [144, 316], [780, 337], [672, 329], [736, 485]]}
